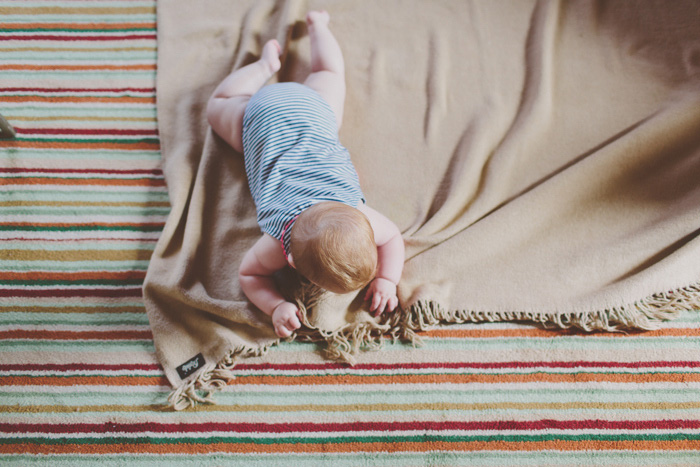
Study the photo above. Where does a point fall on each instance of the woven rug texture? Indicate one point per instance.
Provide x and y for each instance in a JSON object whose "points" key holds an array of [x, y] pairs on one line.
{"points": [[82, 203]]}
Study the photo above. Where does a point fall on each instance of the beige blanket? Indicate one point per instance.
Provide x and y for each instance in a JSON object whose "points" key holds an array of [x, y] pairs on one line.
{"points": [[541, 158]]}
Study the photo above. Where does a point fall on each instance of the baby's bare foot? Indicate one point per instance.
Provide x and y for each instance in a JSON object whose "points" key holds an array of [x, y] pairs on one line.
{"points": [[314, 18], [271, 55]]}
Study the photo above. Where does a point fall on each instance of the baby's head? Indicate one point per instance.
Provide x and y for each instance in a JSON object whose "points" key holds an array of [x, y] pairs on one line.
{"points": [[332, 245]]}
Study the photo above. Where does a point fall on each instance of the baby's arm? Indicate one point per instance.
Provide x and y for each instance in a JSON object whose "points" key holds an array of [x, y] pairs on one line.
{"points": [[255, 276], [391, 256]]}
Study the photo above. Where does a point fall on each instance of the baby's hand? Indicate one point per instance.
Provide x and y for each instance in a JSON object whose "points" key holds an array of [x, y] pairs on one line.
{"points": [[285, 319], [382, 292]]}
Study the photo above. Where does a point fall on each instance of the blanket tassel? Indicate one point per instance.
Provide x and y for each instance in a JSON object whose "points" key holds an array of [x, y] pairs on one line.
{"points": [[646, 315], [346, 343], [210, 379]]}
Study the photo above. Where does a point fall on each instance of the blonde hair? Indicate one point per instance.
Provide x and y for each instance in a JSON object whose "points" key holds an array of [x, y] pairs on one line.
{"points": [[332, 245]]}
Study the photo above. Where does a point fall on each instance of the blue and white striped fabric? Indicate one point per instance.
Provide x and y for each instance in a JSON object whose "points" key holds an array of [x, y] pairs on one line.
{"points": [[293, 157]]}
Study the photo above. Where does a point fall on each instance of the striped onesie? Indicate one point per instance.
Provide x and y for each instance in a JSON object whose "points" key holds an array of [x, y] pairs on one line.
{"points": [[293, 158]]}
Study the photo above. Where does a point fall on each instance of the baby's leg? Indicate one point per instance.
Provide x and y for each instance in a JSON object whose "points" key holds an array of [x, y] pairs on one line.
{"points": [[327, 75], [227, 105]]}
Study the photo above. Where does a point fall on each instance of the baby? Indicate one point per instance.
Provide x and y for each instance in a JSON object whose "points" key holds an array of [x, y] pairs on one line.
{"points": [[309, 204]]}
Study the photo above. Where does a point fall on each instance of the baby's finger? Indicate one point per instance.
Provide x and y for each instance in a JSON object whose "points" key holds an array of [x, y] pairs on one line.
{"points": [[376, 301], [282, 331], [293, 322], [392, 303], [382, 306]]}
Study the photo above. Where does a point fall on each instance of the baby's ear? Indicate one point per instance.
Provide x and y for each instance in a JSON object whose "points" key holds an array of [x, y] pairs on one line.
{"points": [[290, 260]]}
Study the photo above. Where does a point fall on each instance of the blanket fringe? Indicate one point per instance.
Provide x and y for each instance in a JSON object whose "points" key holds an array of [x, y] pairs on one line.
{"points": [[344, 344], [210, 379], [405, 324], [646, 314]]}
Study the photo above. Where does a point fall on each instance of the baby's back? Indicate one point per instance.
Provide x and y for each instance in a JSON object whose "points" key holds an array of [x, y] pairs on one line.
{"points": [[293, 157]]}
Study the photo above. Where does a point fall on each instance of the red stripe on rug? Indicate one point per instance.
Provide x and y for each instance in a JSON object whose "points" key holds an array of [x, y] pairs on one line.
{"points": [[475, 365], [75, 37], [51, 90], [22, 170], [79, 367], [421, 426], [89, 131], [44, 334], [72, 293]]}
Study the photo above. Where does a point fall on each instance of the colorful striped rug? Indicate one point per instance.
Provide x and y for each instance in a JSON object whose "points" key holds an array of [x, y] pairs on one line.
{"points": [[82, 202]]}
